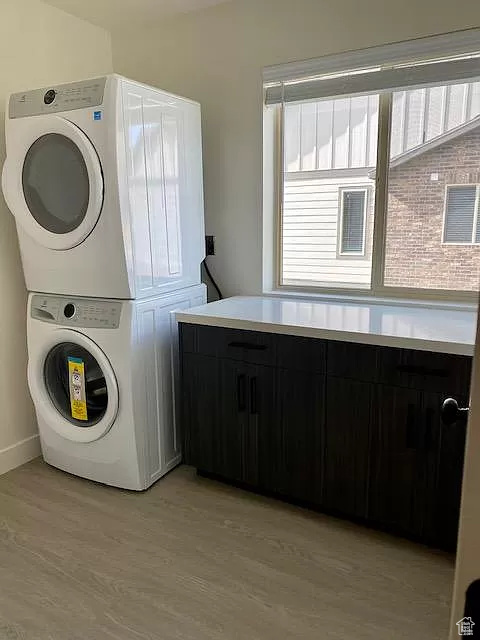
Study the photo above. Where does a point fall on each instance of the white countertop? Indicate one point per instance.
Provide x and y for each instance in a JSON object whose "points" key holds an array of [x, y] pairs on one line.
{"points": [[425, 329]]}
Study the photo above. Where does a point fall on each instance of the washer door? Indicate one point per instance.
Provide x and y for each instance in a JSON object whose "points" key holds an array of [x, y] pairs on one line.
{"points": [[52, 181], [50, 381]]}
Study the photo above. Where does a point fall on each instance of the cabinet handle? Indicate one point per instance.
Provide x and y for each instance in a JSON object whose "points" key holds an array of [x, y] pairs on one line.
{"points": [[411, 431], [423, 371], [241, 392], [253, 396], [247, 345]]}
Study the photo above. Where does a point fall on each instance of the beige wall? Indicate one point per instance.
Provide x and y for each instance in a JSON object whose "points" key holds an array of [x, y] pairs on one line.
{"points": [[39, 45], [216, 56]]}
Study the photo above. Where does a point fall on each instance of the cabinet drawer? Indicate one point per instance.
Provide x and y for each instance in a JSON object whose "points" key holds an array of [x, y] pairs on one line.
{"points": [[353, 361], [426, 370], [253, 347], [301, 354]]}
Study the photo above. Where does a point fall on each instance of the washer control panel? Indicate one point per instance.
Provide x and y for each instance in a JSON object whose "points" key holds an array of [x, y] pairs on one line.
{"points": [[63, 97], [86, 313]]}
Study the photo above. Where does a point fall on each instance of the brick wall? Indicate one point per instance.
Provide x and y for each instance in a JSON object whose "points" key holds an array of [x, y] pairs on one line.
{"points": [[415, 255]]}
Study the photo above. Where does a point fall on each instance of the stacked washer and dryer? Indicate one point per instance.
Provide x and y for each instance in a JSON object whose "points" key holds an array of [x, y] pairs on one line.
{"points": [[104, 179]]}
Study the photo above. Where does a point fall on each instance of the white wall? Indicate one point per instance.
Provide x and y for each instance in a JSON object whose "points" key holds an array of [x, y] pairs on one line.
{"points": [[216, 56], [39, 45]]}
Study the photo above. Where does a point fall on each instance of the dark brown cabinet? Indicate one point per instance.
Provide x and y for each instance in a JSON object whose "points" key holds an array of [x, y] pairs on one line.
{"points": [[445, 508], [353, 429], [347, 440], [296, 438], [201, 413], [402, 467], [226, 404]]}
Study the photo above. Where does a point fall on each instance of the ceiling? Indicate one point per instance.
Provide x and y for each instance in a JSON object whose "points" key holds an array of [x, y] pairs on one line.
{"points": [[115, 14]]}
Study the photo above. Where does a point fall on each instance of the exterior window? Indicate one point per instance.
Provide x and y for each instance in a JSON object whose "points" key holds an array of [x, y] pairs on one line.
{"points": [[352, 224], [461, 215], [377, 161]]}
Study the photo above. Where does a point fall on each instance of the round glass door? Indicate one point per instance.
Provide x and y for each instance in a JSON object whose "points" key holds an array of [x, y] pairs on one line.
{"points": [[62, 384], [55, 183], [52, 181]]}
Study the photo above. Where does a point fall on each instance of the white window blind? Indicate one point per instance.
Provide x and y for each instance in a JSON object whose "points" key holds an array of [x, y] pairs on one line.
{"points": [[403, 65], [461, 214], [353, 222]]}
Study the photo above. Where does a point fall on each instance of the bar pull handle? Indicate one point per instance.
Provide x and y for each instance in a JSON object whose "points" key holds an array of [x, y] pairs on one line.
{"points": [[247, 345], [423, 371]]}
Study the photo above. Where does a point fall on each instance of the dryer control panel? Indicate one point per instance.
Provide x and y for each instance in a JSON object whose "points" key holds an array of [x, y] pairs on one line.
{"points": [[85, 313], [63, 97]]}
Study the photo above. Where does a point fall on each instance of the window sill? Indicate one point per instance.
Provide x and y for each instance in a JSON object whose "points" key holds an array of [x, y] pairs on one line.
{"points": [[362, 299]]}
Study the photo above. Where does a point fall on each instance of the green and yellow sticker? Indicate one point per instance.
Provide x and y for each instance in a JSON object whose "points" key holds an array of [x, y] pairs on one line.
{"points": [[76, 376]]}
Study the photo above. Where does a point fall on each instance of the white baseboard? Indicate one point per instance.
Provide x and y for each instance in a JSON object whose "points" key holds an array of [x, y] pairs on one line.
{"points": [[19, 453]]}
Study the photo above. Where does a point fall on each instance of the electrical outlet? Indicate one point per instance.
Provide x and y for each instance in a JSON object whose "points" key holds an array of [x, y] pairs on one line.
{"points": [[210, 245]]}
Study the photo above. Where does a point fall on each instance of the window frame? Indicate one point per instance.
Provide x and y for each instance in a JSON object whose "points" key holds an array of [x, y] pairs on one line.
{"points": [[352, 255], [476, 215], [377, 288]]}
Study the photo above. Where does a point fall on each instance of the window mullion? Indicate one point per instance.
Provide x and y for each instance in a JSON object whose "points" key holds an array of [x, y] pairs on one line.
{"points": [[475, 215], [280, 172], [381, 190]]}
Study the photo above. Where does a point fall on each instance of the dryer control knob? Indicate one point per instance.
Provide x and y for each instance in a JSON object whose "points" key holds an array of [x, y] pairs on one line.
{"points": [[69, 310], [49, 97]]}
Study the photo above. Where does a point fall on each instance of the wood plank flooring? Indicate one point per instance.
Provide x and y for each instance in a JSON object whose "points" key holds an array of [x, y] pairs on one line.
{"points": [[196, 560]]}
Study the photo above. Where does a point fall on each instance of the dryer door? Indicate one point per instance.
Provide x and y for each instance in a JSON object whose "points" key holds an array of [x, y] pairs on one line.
{"points": [[74, 387], [52, 181]]}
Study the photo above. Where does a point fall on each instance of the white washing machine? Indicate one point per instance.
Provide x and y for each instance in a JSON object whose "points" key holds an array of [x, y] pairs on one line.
{"points": [[104, 178], [102, 375]]}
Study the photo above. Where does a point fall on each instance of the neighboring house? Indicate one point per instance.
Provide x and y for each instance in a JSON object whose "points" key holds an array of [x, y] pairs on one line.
{"points": [[329, 189], [433, 205]]}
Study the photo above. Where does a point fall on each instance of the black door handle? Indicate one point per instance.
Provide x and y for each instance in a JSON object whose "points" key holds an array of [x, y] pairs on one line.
{"points": [[241, 392], [452, 413]]}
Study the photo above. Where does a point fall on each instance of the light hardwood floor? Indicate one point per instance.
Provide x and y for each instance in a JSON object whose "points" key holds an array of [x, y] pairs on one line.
{"points": [[196, 560]]}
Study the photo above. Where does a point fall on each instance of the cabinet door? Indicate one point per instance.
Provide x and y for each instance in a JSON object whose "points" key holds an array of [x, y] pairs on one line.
{"points": [[226, 405], [403, 459], [233, 419], [201, 389], [258, 449], [441, 527], [296, 436], [347, 436]]}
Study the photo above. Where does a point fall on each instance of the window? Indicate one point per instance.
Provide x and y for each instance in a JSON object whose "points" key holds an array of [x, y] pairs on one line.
{"points": [[461, 215], [352, 222], [380, 160]]}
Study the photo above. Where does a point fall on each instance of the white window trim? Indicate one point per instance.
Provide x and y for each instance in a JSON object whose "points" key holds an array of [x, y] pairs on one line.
{"points": [[451, 44], [352, 255], [476, 215]]}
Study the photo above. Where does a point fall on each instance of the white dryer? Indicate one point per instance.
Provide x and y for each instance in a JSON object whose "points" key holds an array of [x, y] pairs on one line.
{"points": [[102, 375], [104, 178]]}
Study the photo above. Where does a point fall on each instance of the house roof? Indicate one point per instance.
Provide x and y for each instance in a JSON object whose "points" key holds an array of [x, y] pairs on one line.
{"points": [[466, 127], [451, 134]]}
